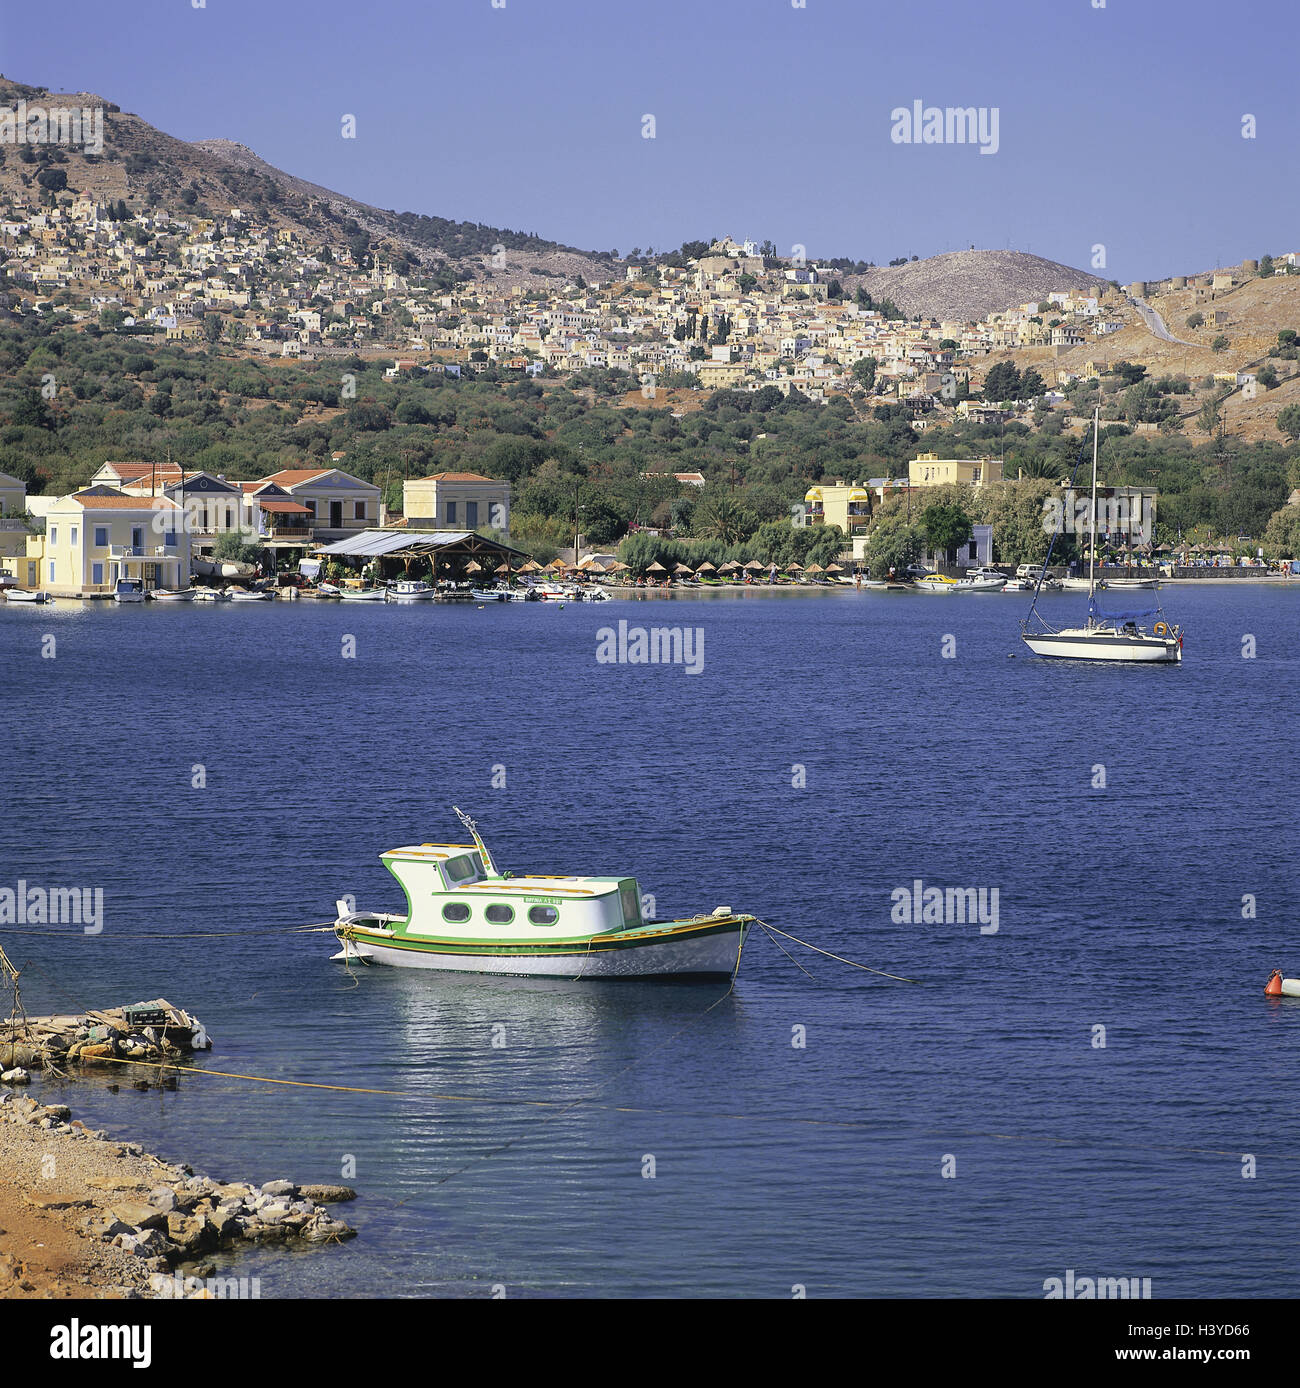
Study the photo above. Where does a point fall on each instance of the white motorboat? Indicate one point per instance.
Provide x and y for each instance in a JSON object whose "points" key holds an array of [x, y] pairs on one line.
{"points": [[1082, 585], [1119, 585], [247, 595], [409, 590], [934, 583], [25, 595], [1116, 636], [172, 595], [986, 584], [128, 590], [211, 595], [462, 914], [362, 594]]}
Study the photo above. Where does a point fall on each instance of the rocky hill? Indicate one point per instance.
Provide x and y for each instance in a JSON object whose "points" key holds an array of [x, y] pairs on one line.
{"points": [[970, 284], [144, 166]]}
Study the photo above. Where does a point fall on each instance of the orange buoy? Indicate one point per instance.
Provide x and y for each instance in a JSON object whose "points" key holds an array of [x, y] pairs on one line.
{"points": [[1273, 988]]}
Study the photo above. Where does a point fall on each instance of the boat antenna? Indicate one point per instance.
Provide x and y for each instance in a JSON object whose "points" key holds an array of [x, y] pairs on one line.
{"points": [[482, 847]]}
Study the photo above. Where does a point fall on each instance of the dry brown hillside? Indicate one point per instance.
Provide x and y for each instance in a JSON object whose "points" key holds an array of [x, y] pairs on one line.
{"points": [[971, 284], [143, 166]]}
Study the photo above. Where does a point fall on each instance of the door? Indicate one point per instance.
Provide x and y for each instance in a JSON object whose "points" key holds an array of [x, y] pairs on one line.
{"points": [[336, 515]]}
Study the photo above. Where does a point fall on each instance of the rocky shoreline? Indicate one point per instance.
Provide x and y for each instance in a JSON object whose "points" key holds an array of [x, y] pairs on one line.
{"points": [[84, 1215]]}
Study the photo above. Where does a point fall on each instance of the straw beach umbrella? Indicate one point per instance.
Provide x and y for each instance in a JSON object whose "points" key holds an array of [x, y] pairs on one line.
{"points": [[683, 569], [755, 566], [532, 567], [706, 568], [656, 568]]}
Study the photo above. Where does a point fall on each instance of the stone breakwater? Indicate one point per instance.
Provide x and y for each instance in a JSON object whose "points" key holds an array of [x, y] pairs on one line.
{"points": [[124, 1215]]}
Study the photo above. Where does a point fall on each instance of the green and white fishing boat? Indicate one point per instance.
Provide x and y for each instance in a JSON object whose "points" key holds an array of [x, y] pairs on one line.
{"points": [[463, 914]]}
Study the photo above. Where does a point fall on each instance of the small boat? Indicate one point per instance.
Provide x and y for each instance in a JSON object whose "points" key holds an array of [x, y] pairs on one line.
{"points": [[409, 590], [211, 595], [983, 584], [362, 594], [463, 915], [129, 590], [247, 595], [1132, 584], [172, 595], [328, 590], [935, 583], [1081, 585], [453, 594], [26, 595]]}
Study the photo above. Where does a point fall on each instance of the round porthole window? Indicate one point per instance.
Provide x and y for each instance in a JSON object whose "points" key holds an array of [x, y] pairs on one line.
{"points": [[455, 911], [543, 915], [499, 914]]}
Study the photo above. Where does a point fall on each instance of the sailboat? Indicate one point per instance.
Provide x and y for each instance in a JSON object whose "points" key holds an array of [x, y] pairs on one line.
{"points": [[1115, 636]]}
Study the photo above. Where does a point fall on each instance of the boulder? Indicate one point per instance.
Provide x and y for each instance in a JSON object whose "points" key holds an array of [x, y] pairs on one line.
{"points": [[163, 1198], [279, 1188], [185, 1231], [138, 1214], [327, 1194], [16, 1076]]}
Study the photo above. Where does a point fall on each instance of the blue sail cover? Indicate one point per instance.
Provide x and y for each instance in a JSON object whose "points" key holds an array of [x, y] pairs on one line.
{"points": [[1097, 615]]}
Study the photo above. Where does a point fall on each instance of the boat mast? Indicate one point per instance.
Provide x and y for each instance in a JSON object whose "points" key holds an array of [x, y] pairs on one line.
{"points": [[482, 847], [1092, 528]]}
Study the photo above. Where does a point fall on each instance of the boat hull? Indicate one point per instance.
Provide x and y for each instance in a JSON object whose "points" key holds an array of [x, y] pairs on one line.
{"points": [[705, 948], [1143, 650]]}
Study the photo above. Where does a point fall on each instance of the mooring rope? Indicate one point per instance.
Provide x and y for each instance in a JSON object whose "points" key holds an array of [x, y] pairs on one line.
{"points": [[898, 978]]}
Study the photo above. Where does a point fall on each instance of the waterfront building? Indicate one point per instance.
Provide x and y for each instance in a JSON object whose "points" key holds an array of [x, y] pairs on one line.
{"points": [[457, 501]]}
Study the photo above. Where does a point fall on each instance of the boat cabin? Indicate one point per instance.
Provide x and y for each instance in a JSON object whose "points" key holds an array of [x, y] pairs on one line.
{"points": [[449, 891]]}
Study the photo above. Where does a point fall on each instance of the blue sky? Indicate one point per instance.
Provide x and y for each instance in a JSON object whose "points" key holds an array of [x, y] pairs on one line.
{"points": [[1118, 125]]}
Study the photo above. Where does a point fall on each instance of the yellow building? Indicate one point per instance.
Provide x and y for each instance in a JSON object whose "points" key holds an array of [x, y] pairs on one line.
{"points": [[95, 537], [927, 470], [719, 374], [457, 501], [847, 505]]}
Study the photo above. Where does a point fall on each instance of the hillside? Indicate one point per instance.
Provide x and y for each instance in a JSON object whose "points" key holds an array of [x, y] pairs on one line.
{"points": [[144, 166], [970, 284]]}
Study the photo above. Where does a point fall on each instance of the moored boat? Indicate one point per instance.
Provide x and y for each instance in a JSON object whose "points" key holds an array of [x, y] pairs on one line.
{"points": [[464, 915], [409, 590], [25, 595], [172, 595], [128, 590]]}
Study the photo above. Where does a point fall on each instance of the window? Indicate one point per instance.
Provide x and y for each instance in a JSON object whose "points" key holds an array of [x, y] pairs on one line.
{"points": [[101, 537], [54, 535], [630, 902], [451, 513], [500, 914], [455, 911], [169, 539], [51, 570], [360, 512], [97, 574], [137, 537], [461, 869], [72, 540], [471, 515], [543, 915]]}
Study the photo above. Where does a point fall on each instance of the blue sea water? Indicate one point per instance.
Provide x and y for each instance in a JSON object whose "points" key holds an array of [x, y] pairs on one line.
{"points": [[827, 755]]}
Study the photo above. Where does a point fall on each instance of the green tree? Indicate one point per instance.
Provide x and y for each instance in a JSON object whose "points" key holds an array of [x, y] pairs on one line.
{"points": [[1220, 344], [893, 543], [1195, 320], [1288, 421], [211, 326], [864, 371], [1002, 382], [946, 528], [1032, 385]]}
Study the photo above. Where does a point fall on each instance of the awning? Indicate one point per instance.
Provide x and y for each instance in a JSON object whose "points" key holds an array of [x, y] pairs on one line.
{"points": [[281, 507], [371, 544]]}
